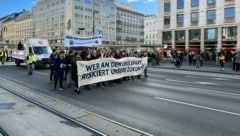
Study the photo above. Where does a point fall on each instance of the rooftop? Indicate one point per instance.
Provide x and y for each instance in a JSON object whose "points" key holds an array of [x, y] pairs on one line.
{"points": [[126, 7]]}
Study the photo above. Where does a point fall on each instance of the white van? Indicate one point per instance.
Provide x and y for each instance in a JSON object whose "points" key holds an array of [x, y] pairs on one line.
{"points": [[39, 47]]}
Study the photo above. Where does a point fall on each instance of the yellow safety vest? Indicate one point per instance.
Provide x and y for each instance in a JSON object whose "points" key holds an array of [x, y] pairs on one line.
{"points": [[222, 58], [30, 59], [1, 53]]}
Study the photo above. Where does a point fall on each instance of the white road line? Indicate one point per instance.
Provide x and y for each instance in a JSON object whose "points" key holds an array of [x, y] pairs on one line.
{"points": [[178, 81], [206, 83], [221, 79], [198, 106], [195, 77], [206, 90], [45, 74]]}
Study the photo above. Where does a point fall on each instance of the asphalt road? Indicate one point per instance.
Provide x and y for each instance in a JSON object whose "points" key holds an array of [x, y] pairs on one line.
{"points": [[168, 103]]}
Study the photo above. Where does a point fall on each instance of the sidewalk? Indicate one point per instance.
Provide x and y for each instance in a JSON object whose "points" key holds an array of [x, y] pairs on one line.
{"points": [[205, 68]]}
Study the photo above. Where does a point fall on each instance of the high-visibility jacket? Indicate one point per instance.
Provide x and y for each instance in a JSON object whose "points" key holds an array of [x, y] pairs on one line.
{"points": [[222, 58], [29, 59], [1, 53]]}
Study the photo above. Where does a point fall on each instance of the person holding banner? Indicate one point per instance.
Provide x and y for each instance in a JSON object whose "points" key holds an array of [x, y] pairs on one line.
{"points": [[74, 72], [68, 62]]}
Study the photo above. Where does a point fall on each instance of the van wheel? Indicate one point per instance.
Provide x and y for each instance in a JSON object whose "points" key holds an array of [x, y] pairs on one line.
{"points": [[17, 62]]}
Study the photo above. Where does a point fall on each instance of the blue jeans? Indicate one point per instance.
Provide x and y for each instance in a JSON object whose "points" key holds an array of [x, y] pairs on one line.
{"points": [[30, 69]]}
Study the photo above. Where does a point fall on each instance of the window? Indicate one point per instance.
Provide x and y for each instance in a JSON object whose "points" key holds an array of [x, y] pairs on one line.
{"points": [[229, 33], [195, 3], [167, 20], [211, 34], [194, 17], [167, 6], [180, 18], [167, 36], [211, 16], [194, 34], [180, 4], [229, 13], [180, 35], [211, 2]]}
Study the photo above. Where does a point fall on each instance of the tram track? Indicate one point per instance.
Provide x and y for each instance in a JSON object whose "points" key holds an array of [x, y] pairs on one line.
{"points": [[92, 130]]}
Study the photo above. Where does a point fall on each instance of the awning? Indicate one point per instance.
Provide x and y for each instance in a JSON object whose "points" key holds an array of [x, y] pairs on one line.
{"points": [[194, 49], [228, 49], [180, 49]]}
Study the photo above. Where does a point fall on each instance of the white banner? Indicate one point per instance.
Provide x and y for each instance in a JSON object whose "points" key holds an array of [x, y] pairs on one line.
{"points": [[105, 69], [76, 41]]}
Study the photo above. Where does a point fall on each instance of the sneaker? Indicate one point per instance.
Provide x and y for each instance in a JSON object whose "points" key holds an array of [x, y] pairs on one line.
{"points": [[61, 89]]}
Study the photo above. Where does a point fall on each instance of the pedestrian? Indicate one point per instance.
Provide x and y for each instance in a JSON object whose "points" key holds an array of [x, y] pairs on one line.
{"points": [[222, 60], [59, 67], [52, 57], [234, 61], [2, 56], [74, 72], [145, 70], [237, 62], [30, 63], [198, 60]]}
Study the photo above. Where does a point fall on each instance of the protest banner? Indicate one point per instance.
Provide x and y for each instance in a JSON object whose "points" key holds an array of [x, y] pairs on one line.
{"points": [[71, 40], [105, 69]]}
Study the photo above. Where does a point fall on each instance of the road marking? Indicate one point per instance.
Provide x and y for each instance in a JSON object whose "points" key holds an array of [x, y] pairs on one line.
{"points": [[221, 79], [198, 106], [45, 74], [195, 77], [216, 91], [206, 83], [178, 81]]}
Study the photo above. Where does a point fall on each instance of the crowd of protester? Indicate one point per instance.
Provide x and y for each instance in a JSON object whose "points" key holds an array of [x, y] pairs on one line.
{"points": [[63, 65]]}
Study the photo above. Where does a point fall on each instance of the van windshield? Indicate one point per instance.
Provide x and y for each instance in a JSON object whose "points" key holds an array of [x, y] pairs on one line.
{"points": [[40, 50]]}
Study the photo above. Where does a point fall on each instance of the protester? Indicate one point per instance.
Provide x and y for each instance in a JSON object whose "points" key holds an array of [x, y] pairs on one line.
{"points": [[53, 56], [68, 62], [59, 67], [74, 72]]}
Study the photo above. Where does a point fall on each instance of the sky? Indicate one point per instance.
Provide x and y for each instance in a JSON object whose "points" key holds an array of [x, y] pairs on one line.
{"points": [[148, 7]]}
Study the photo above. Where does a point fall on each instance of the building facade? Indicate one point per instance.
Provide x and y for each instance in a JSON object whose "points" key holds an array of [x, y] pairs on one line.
{"points": [[150, 30], [130, 26], [199, 25], [52, 18], [24, 27]]}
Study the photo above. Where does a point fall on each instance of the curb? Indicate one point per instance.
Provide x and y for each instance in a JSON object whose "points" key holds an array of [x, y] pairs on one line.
{"points": [[206, 71]]}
